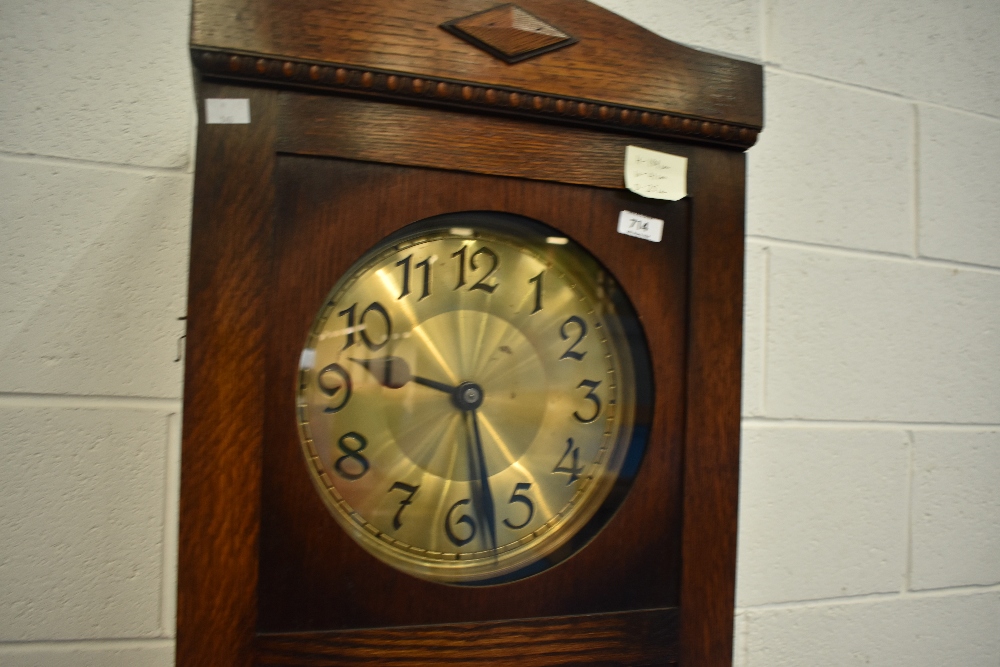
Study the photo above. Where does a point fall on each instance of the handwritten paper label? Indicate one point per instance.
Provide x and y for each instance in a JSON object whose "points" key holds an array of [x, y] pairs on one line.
{"points": [[640, 226], [654, 174], [227, 111]]}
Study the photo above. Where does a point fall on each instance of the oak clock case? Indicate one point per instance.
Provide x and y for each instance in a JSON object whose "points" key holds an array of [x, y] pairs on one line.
{"points": [[365, 117], [468, 401]]}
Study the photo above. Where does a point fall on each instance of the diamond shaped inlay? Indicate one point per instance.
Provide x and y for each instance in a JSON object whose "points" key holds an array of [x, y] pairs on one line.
{"points": [[509, 33]]}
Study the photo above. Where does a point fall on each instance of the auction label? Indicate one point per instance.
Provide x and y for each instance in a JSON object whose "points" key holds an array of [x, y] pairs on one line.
{"points": [[640, 226]]}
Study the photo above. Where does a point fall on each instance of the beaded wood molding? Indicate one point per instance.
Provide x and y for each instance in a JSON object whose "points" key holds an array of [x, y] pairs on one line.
{"points": [[409, 88]]}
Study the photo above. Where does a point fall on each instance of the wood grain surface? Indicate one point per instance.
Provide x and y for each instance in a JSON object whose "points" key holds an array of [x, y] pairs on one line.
{"points": [[409, 135], [313, 576], [618, 74], [712, 438], [284, 205], [224, 387], [632, 638]]}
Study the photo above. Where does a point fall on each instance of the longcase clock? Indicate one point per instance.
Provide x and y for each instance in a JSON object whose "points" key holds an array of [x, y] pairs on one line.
{"points": [[442, 405]]}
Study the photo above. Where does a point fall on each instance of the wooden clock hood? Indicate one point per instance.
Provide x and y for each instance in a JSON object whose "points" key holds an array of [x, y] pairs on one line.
{"points": [[617, 75]]}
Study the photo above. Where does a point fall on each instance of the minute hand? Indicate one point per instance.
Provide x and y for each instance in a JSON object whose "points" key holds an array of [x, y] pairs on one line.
{"points": [[394, 372], [485, 495]]}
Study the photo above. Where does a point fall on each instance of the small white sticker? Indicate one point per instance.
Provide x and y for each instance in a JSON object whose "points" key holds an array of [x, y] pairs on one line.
{"points": [[227, 111], [640, 226], [654, 174]]}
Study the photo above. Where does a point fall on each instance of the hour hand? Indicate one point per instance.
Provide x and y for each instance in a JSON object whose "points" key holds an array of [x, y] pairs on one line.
{"points": [[394, 372]]}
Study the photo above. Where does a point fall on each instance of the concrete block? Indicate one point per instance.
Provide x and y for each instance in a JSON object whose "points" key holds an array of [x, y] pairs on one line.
{"points": [[729, 26], [739, 639], [960, 630], [108, 81], [959, 186], [833, 166], [171, 519], [81, 515], [956, 509], [822, 513], [753, 327], [944, 52], [869, 338], [157, 654], [94, 272]]}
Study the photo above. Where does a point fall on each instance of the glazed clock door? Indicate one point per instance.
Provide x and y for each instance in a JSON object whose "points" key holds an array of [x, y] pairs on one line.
{"points": [[329, 213], [440, 381]]}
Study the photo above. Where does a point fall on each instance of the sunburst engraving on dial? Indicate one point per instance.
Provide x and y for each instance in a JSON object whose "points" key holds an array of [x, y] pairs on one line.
{"points": [[468, 401]]}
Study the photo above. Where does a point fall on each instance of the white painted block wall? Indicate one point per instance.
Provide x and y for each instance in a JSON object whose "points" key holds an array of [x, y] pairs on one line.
{"points": [[96, 145], [870, 503]]}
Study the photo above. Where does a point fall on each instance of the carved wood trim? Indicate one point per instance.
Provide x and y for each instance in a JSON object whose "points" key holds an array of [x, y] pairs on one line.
{"points": [[408, 88], [515, 44]]}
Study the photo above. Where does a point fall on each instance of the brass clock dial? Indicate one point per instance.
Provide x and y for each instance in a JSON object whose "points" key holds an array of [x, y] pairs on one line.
{"points": [[473, 398]]}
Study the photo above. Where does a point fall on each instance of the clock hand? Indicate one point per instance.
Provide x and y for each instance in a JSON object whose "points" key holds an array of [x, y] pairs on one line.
{"points": [[394, 372], [485, 496]]}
